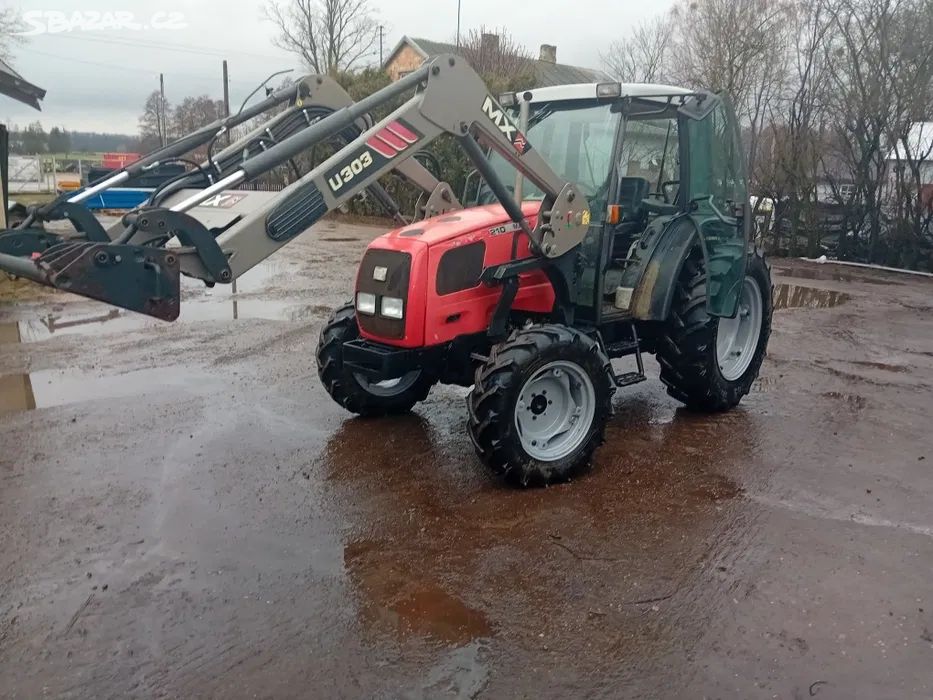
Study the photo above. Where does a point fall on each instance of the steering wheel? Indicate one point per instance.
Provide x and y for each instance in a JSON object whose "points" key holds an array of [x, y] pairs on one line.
{"points": [[656, 206]]}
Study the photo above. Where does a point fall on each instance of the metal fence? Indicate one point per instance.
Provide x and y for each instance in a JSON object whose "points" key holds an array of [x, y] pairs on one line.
{"points": [[44, 174]]}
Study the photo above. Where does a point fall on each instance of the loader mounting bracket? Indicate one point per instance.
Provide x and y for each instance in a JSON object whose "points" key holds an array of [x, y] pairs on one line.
{"points": [[27, 242], [135, 277], [81, 218], [167, 224], [32, 240]]}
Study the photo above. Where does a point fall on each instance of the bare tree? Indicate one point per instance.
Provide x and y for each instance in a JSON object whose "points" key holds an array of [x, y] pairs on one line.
{"points": [[330, 36], [862, 56], [191, 114], [791, 171], [643, 56], [738, 47], [153, 123], [495, 54], [10, 25], [194, 112]]}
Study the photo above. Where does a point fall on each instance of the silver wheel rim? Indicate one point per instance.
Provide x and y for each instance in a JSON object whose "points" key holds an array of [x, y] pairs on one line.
{"points": [[737, 338], [554, 411], [388, 387]]}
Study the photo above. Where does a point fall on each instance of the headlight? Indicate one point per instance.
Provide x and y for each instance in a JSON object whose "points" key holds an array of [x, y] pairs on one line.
{"points": [[366, 303], [392, 307]]}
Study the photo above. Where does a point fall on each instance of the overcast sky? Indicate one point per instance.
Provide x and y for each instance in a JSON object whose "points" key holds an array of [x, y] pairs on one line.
{"points": [[98, 80]]}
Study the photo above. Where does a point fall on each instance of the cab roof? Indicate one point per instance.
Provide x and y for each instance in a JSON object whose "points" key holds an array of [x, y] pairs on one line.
{"points": [[586, 91]]}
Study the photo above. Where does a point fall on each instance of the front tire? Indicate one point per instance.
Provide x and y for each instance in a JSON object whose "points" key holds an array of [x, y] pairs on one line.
{"points": [[709, 363], [539, 405], [353, 390]]}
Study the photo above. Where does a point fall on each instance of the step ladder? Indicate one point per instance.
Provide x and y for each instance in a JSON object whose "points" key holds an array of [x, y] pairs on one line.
{"points": [[628, 347]]}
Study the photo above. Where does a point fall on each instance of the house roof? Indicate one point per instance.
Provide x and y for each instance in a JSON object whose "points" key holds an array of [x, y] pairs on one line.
{"points": [[546, 73], [432, 48], [12, 84]]}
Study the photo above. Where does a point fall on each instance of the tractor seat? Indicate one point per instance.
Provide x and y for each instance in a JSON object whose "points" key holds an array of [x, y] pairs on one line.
{"points": [[632, 190]]}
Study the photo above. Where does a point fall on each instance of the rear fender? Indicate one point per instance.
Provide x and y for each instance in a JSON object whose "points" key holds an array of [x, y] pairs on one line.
{"points": [[655, 279]]}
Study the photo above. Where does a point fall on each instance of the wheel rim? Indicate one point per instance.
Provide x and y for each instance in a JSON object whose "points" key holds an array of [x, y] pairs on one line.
{"points": [[737, 338], [554, 411], [388, 387]]}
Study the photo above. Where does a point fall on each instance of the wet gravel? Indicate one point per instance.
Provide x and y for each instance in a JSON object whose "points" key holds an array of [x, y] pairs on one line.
{"points": [[185, 513]]}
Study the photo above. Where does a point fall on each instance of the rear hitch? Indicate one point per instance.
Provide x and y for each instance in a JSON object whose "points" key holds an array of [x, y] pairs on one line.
{"points": [[137, 278]]}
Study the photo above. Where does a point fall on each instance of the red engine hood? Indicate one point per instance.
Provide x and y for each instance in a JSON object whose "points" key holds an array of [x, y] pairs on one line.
{"points": [[457, 223]]}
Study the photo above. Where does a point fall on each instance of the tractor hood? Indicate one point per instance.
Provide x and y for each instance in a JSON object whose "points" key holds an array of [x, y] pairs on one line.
{"points": [[440, 229]]}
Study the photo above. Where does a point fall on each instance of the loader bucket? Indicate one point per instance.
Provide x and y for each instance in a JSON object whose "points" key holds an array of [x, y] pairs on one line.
{"points": [[145, 280]]}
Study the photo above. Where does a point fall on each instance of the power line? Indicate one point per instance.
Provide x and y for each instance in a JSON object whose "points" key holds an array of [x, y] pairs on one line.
{"points": [[166, 46], [131, 69]]}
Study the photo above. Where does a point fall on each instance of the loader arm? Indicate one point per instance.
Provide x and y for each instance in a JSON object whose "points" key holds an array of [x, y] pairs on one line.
{"points": [[312, 98], [450, 98], [320, 96]]}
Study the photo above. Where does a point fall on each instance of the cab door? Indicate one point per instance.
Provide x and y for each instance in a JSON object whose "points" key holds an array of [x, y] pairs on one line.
{"points": [[716, 196]]}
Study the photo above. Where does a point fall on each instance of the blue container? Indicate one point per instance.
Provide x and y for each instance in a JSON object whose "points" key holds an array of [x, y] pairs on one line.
{"points": [[119, 198]]}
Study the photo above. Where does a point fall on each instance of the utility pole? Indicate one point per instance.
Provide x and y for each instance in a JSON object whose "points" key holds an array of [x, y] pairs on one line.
{"points": [[226, 98], [381, 29], [162, 124], [227, 139], [458, 24]]}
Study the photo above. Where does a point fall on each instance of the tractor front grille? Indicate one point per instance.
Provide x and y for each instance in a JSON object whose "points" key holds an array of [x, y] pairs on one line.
{"points": [[397, 277]]}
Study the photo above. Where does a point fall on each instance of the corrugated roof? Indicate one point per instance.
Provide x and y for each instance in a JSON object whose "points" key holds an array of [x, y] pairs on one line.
{"points": [[546, 73], [433, 48], [14, 85]]}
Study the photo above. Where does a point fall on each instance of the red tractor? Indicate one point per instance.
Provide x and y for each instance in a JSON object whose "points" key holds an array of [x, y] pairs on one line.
{"points": [[663, 266], [609, 220]]}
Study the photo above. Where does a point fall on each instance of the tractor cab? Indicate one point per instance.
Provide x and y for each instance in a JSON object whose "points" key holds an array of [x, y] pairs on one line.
{"points": [[643, 155]]}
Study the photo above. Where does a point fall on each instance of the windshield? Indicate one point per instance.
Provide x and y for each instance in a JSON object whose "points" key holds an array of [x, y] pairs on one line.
{"points": [[575, 138], [649, 151]]}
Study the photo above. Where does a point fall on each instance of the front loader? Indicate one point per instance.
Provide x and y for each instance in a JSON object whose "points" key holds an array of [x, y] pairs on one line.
{"points": [[302, 105], [610, 220]]}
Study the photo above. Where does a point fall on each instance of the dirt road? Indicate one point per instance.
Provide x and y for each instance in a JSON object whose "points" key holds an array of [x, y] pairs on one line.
{"points": [[186, 513]]}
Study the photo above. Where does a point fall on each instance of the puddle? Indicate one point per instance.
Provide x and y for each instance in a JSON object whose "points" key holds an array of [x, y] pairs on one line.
{"points": [[251, 301], [795, 296], [55, 387], [433, 611], [831, 273], [409, 605]]}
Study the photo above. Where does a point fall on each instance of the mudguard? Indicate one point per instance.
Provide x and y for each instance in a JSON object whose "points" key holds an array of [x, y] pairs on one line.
{"points": [[661, 255]]}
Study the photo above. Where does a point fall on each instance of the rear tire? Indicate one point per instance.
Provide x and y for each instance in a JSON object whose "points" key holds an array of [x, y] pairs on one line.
{"points": [[522, 433], [353, 390], [691, 365]]}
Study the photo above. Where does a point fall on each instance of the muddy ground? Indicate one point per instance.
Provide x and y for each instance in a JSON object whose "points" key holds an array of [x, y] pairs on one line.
{"points": [[186, 513]]}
